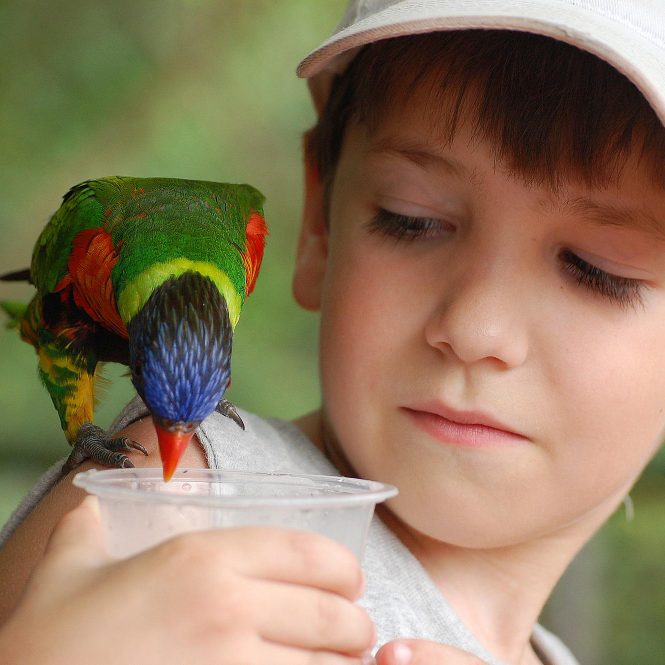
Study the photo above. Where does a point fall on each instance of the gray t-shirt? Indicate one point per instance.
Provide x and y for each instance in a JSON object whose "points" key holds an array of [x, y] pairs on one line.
{"points": [[400, 597]]}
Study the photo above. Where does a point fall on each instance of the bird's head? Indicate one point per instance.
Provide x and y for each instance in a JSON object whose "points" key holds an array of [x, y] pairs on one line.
{"points": [[180, 358]]}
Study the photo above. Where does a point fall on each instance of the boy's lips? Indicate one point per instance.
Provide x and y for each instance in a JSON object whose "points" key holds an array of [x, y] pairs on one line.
{"points": [[465, 428]]}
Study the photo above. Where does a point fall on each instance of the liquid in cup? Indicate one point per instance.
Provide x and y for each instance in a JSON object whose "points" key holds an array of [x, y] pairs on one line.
{"points": [[138, 509]]}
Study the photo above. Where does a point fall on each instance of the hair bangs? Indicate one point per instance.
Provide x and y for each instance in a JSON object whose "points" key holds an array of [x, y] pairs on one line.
{"points": [[550, 111]]}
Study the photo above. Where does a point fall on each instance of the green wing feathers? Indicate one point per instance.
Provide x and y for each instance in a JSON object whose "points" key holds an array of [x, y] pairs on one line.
{"points": [[80, 210]]}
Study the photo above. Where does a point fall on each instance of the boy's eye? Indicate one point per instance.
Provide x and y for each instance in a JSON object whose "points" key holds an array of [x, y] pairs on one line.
{"points": [[621, 290], [404, 227]]}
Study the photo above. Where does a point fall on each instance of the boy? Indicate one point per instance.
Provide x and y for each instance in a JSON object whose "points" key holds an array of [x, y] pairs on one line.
{"points": [[484, 236]]}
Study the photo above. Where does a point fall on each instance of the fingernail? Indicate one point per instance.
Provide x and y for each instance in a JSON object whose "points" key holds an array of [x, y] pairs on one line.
{"points": [[402, 654]]}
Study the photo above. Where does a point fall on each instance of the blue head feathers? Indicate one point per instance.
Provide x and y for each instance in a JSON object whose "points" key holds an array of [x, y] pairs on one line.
{"points": [[180, 349]]}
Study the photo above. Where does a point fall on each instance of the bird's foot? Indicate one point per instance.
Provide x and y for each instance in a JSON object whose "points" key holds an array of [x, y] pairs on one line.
{"points": [[227, 409], [94, 443]]}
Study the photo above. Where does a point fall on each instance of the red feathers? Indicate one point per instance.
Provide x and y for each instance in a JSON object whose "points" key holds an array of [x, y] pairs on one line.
{"points": [[89, 278], [255, 241]]}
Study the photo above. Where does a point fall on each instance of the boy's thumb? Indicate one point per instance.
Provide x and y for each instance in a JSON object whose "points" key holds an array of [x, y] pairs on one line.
{"points": [[79, 535]]}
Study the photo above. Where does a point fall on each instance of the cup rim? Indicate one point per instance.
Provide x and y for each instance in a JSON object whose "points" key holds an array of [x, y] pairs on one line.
{"points": [[343, 491]]}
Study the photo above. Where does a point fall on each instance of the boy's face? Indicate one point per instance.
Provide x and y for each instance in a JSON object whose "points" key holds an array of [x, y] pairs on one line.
{"points": [[478, 299]]}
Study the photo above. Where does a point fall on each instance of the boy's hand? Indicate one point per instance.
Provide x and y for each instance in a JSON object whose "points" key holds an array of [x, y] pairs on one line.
{"points": [[251, 595], [424, 652]]}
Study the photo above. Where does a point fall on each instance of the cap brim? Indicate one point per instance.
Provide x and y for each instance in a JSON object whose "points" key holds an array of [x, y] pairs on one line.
{"points": [[637, 54]]}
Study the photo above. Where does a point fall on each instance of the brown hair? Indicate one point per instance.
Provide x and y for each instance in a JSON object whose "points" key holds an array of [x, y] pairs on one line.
{"points": [[549, 109]]}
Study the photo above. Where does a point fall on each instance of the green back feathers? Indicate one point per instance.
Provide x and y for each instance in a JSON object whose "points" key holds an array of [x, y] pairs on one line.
{"points": [[164, 219], [159, 227], [164, 227]]}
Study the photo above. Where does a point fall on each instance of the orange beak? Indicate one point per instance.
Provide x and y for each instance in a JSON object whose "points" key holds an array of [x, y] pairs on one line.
{"points": [[172, 445]]}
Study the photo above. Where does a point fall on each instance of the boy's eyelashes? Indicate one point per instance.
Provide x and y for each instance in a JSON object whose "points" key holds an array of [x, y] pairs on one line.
{"points": [[405, 227], [623, 291]]}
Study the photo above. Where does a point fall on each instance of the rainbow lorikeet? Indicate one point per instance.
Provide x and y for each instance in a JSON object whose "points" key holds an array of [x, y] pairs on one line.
{"points": [[151, 273]]}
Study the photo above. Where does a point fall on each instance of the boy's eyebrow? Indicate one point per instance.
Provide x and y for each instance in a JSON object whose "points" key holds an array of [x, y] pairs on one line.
{"points": [[420, 154], [611, 215], [601, 214]]}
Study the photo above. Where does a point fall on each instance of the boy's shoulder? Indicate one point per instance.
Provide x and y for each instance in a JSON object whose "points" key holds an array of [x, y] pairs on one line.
{"points": [[266, 444]]}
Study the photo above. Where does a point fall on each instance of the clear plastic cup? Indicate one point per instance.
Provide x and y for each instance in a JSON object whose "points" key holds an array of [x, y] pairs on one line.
{"points": [[139, 509]]}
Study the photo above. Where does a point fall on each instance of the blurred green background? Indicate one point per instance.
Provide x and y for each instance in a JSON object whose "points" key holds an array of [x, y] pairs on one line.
{"points": [[206, 89]]}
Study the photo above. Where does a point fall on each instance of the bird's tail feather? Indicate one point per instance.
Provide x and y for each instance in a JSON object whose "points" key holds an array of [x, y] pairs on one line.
{"points": [[17, 276], [15, 310]]}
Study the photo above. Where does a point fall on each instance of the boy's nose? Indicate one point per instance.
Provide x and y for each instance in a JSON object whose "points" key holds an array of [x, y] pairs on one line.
{"points": [[482, 316]]}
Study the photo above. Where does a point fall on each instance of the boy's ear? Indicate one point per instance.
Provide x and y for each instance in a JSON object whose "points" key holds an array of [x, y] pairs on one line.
{"points": [[312, 253]]}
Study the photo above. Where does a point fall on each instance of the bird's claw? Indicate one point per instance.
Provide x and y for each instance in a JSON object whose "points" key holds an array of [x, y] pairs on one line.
{"points": [[95, 444], [227, 409], [129, 444]]}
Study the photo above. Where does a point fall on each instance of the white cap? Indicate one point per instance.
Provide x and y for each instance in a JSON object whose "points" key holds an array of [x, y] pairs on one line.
{"points": [[628, 34]]}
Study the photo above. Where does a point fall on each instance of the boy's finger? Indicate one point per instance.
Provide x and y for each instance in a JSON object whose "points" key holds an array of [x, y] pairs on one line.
{"points": [[278, 654], [424, 652], [315, 619], [266, 553], [306, 558], [78, 534]]}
